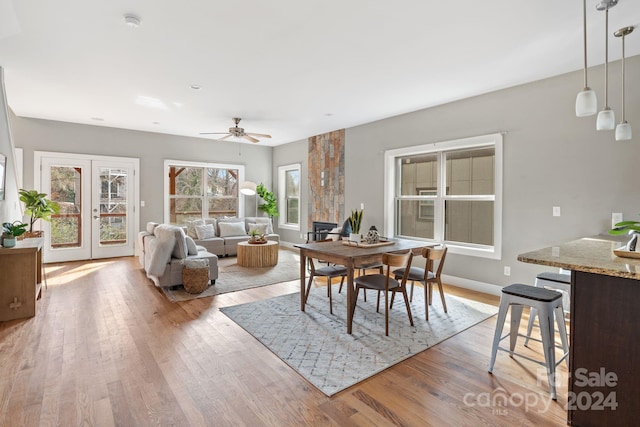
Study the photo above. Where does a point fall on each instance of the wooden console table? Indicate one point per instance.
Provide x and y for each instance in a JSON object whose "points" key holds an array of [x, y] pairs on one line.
{"points": [[21, 276], [264, 255]]}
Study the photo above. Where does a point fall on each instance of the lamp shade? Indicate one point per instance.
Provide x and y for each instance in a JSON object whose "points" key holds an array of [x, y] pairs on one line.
{"points": [[606, 120], [623, 131], [586, 103], [248, 188]]}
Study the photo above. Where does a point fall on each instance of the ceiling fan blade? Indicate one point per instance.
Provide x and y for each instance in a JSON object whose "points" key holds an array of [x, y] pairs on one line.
{"points": [[259, 135], [224, 137], [250, 138], [213, 133]]}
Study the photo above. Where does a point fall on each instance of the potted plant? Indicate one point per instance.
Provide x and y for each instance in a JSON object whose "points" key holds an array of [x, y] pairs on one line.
{"points": [[256, 237], [10, 231], [355, 220], [627, 227], [37, 206], [270, 205]]}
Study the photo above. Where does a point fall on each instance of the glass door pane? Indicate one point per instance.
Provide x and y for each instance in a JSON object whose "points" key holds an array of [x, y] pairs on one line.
{"points": [[112, 194], [66, 190]]}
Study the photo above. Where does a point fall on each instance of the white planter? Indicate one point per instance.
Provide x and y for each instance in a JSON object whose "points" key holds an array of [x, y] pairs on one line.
{"points": [[354, 237]]}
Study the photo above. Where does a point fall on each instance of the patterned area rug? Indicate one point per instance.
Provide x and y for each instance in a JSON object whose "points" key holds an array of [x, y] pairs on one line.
{"points": [[316, 344], [232, 277]]}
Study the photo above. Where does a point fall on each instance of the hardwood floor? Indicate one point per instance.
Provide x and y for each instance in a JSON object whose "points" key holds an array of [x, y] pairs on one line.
{"points": [[107, 348]]}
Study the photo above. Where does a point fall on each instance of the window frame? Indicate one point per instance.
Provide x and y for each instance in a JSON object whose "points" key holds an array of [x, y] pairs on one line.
{"points": [[392, 182], [282, 199], [171, 162]]}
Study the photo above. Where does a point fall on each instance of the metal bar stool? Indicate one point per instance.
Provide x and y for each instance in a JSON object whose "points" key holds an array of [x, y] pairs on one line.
{"points": [[555, 281], [547, 302]]}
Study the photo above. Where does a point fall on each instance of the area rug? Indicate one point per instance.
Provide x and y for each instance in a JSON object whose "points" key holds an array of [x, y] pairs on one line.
{"points": [[232, 277], [316, 344]]}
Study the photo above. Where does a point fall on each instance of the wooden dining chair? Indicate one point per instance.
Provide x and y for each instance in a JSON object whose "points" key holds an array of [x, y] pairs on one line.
{"points": [[385, 283], [329, 271], [427, 276]]}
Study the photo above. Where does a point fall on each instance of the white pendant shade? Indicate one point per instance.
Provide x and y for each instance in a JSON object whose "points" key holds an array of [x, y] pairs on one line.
{"points": [[623, 132], [606, 120], [586, 103]]}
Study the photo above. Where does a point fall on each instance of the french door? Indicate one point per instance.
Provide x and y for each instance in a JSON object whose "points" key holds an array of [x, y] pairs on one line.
{"points": [[97, 198]]}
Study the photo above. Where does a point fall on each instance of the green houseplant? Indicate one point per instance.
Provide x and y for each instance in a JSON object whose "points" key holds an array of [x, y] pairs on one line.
{"points": [[627, 227], [355, 220], [270, 205], [10, 231], [37, 206]]}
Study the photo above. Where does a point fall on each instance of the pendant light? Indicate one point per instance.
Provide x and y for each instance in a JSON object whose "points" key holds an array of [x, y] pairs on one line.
{"points": [[606, 118], [586, 101], [623, 130]]}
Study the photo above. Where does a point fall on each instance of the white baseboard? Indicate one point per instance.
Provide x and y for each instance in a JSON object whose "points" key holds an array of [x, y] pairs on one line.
{"points": [[287, 244], [474, 285]]}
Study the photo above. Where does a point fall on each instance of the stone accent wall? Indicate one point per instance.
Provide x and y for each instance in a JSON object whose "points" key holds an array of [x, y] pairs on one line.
{"points": [[326, 178]]}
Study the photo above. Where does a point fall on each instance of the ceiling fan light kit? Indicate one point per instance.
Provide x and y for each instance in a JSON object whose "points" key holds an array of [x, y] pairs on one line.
{"points": [[238, 132], [586, 101]]}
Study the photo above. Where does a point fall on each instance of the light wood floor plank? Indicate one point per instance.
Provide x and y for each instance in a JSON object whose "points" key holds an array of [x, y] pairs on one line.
{"points": [[107, 348]]}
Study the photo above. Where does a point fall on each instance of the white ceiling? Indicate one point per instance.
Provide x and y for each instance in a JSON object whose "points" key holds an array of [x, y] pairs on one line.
{"points": [[290, 68]]}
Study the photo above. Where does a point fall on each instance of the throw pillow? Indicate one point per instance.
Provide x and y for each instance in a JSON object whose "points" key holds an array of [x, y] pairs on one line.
{"points": [[180, 248], [228, 229], [346, 229], [191, 227], [264, 220], [192, 248], [205, 231], [151, 226], [261, 228], [334, 234]]}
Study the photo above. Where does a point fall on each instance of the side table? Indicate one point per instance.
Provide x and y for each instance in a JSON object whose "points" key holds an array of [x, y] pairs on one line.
{"points": [[264, 255]]}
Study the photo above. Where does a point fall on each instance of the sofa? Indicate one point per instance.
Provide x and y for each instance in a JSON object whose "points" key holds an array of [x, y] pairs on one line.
{"points": [[221, 236], [162, 250]]}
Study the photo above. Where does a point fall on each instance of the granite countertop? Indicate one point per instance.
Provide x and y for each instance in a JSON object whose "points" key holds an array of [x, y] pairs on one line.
{"points": [[590, 254]]}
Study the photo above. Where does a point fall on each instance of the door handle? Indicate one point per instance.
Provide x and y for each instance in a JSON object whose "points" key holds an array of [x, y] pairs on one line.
{"points": [[96, 217]]}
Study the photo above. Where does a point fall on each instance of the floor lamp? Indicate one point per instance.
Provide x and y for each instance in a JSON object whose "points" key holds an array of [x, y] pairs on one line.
{"points": [[248, 188]]}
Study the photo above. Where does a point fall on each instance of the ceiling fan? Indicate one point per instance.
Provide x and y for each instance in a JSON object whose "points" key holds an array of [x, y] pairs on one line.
{"points": [[238, 132]]}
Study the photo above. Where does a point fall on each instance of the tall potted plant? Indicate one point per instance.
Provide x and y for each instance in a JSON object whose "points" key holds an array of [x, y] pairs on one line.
{"points": [[270, 205], [355, 220], [37, 206]]}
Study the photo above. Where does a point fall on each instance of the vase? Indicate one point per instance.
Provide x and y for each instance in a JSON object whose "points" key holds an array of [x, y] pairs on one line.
{"points": [[9, 242], [354, 237]]}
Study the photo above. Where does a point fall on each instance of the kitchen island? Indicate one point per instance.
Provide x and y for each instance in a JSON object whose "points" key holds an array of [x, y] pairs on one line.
{"points": [[604, 352]]}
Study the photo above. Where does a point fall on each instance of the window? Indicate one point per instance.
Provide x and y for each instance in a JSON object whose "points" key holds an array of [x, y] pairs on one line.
{"points": [[447, 192], [201, 190], [289, 197]]}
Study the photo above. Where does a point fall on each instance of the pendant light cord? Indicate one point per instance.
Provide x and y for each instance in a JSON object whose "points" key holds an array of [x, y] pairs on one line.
{"points": [[623, 120], [584, 26], [606, 59]]}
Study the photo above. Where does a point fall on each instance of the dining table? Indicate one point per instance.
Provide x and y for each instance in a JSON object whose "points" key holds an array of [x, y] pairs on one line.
{"points": [[349, 254]]}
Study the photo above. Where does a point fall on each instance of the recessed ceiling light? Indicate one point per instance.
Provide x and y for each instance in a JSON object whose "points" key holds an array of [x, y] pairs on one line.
{"points": [[156, 123], [195, 86], [97, 119], [131, 21], [328, 114]]}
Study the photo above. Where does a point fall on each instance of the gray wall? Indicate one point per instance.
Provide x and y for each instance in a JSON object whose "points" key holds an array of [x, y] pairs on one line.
{"points": [[288, 154], [10, 210], [151, 148], [551, 158]]}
